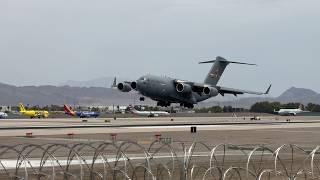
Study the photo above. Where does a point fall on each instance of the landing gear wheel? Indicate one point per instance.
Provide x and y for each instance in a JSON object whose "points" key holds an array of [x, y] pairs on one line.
{"points": [[190, 106], [163, 104]]}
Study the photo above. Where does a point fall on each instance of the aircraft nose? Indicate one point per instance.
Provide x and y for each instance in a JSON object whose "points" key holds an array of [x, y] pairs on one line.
{"points": [[140, 83]]}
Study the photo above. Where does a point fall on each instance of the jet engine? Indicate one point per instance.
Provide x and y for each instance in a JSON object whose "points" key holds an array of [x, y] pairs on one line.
{"points": [[210, 91], [133, 85], [183, 88], [124, 87]]}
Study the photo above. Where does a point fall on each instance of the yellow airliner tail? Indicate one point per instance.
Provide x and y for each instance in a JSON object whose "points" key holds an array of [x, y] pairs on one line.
{"points": [[22, 108]]}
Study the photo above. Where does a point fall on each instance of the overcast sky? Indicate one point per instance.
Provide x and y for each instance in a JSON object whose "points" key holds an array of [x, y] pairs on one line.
{"points": [[49, 42]]}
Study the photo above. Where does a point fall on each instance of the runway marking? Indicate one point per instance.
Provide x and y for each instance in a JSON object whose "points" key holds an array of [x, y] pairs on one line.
{"points": [[166, 125], [63, 161], [175, 127], [61, 139], [138, 128], [290, 131]]}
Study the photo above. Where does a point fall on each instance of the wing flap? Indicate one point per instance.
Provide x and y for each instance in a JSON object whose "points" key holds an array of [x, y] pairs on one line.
{"points": [[225, 90]]}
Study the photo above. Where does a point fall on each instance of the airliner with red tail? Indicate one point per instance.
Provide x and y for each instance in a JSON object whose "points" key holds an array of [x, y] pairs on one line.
{"points": [[81, 114]]}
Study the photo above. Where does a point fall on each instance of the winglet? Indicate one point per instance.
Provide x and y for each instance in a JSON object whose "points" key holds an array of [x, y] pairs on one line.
{"points": [[268, 90]]}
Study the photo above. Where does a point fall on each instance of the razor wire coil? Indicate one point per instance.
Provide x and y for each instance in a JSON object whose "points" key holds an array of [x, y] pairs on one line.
{"points": [[159, 160]]}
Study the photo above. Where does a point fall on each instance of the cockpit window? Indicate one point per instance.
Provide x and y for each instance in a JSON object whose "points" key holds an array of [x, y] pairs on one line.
{"points": [[143, 79]]}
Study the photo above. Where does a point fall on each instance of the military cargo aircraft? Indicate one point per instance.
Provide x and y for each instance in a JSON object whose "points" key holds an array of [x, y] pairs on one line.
{"points": [[167, 90]]}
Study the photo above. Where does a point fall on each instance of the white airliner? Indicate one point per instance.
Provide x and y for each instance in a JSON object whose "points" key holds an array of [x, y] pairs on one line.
{"points": [[148, 113], [3, 115], [290, 112]]}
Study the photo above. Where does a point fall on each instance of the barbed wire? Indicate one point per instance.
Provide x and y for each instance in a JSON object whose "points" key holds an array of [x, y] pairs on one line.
{"points": [[159, 160]]}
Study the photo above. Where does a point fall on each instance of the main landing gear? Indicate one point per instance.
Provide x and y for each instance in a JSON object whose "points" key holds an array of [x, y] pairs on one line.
{"points": [[163, 104], [187, 105], [167, 104]]}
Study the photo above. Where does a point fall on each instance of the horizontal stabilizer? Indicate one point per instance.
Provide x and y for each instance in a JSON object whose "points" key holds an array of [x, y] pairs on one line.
{"points": [[222, 60]]}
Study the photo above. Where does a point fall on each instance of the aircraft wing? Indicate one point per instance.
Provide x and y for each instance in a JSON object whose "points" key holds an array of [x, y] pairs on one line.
{"points": [[225, 90], [196, 87]]}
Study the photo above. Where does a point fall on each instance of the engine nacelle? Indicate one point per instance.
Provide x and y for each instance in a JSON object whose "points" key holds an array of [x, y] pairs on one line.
{"points": [[133, 85], [183, 88], [210, 91], [124, 87]]}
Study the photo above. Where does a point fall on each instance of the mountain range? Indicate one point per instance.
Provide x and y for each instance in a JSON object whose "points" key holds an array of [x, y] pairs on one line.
{"points": [[98, 82], [56, 95], [293, 94]]}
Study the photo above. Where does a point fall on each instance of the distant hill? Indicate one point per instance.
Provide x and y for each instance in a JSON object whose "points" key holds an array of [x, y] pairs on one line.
{"points": [[105, 82], [293, 94], [299, 95], [47, 95]]}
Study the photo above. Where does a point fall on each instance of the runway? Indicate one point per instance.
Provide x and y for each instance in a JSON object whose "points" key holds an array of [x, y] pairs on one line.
{"points": [[52, 127], [73, 144]]}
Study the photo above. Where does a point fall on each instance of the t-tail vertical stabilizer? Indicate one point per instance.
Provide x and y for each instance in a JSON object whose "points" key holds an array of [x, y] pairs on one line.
{"points": [[217, 69], [301, 107], [114, 85], [21, 107]]}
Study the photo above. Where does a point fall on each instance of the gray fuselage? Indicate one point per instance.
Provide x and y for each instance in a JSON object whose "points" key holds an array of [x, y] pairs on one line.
{"points": [[163, 89]]}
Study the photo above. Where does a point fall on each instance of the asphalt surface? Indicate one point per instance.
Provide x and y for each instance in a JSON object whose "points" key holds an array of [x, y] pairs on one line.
{"points": [[270, 131], [52, 127]]}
